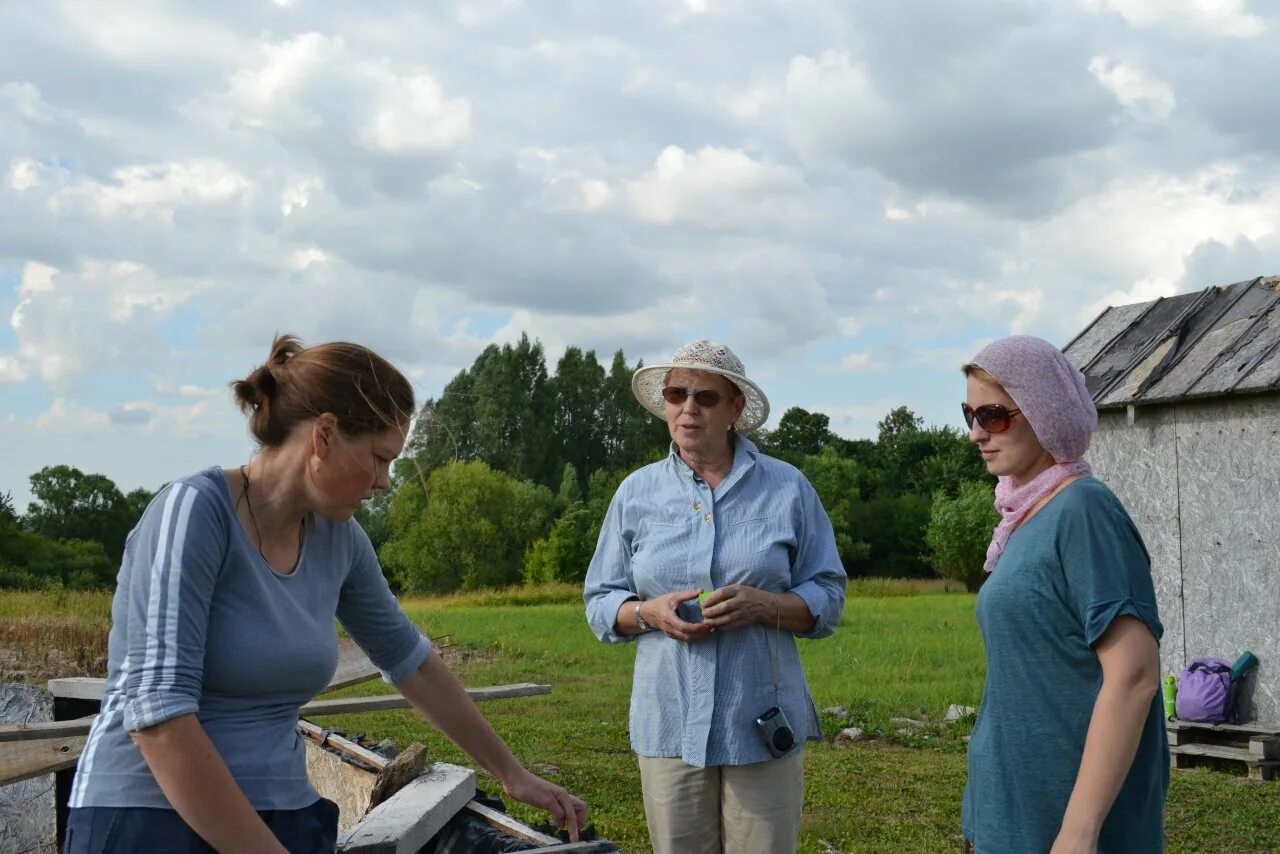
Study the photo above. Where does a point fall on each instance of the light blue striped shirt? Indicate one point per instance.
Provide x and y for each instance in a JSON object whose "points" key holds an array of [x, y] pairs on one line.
{"points": [[667, 530], [202, 625]]}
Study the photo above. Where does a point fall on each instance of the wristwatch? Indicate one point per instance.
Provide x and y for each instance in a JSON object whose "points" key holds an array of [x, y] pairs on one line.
{"points": [[640, 623]]}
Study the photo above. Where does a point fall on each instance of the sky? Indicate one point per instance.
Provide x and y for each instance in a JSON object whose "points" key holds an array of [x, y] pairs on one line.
{"points": [[855, 196]]}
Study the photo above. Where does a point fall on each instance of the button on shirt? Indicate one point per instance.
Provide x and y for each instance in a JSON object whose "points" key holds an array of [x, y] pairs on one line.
{"points": [[667, 530]]}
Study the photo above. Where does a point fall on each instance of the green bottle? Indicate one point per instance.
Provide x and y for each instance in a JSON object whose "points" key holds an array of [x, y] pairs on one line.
{"points": [[1170, 695]]}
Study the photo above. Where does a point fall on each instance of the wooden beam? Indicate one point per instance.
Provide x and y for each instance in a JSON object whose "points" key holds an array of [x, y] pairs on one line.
{"points": [[316, 708], [510, 826], [385, 702], [323, 738], [406, 821], [353, 668], [22, 760]]}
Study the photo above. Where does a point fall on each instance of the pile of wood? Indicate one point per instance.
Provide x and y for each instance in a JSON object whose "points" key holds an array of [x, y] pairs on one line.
{"points": [[385, 805]]}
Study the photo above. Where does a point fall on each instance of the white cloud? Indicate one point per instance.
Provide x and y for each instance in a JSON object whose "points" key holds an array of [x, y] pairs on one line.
{"points": [[1204, 18], [856, 363], [157, 189], [1140, 93], [24, 174], [714, 188], [65, 417], [413, 116], [12, 370]]}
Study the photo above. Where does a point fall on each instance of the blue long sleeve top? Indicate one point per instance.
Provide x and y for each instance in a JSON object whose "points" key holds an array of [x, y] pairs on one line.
{"points": [[667, 530], [202, 625]]}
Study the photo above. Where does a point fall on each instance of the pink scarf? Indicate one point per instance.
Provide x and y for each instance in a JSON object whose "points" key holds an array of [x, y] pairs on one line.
{"points": [[1014, 501]]}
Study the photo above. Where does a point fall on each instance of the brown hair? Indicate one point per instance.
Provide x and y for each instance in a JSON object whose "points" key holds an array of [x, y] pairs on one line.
{"points": [[364, 391]]}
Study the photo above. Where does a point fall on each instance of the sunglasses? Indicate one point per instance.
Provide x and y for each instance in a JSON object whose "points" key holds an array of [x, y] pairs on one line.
{"points": [[991, 417], [707, 398]]}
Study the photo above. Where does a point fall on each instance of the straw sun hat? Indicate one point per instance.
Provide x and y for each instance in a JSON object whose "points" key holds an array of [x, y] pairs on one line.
{"points": [[716, 358]]}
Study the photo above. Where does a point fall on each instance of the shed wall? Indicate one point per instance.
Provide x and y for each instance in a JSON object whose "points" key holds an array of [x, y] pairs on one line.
{"points": [[1202, 481]]}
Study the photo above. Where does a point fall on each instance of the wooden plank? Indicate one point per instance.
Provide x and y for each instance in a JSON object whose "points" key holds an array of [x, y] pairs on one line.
{"points": [[1217, 751], [22, 760], [385, 702], [509, 825], [353, 668], [596, 847], [347, 746], [398, 773], [316, 708], [1248, 729], [406, 821]]}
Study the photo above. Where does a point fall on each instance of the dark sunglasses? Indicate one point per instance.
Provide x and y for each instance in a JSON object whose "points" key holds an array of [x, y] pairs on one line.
{"points": [[707, 398], [991, 417]]}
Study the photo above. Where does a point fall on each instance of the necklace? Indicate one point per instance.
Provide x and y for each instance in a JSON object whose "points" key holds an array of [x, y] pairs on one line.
{"points": [[302, 524]]}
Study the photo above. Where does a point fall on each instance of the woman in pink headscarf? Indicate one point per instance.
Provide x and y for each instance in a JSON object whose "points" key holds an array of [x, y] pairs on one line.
{"points": [[1069, 752]]}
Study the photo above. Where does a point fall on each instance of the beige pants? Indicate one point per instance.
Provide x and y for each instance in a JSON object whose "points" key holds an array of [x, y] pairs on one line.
{"points": [[737, 809]]}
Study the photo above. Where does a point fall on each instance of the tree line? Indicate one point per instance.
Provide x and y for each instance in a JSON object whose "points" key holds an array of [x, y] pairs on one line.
{"points": [[506, 477]]}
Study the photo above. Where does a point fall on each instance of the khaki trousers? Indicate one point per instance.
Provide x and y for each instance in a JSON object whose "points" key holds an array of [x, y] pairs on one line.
{"points": [[734, 809]]}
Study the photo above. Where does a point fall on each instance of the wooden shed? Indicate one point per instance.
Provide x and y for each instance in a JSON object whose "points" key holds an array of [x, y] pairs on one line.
{"points": [[1188, 393]]}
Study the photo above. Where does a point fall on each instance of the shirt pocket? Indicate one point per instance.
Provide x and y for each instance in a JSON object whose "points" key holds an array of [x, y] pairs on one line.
{"points": [[758, 551]]}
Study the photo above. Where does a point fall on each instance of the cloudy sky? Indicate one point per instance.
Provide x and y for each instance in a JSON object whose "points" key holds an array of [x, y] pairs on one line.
{"points": [[854, 195]]}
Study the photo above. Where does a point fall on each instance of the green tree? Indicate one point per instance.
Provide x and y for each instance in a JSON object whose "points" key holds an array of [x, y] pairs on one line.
{"points": [[836, 480], [564, 554], [959, 532], [72, 505], [893, 527], [632, 436], [468, 528], [577, 426], [799, 433]]}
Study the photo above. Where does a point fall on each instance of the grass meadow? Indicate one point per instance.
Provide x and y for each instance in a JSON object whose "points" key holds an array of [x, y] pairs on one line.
{"points": [[905, 650]]}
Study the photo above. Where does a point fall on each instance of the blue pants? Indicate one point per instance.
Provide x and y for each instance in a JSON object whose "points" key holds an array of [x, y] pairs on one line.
{"points": [[106, 830]]}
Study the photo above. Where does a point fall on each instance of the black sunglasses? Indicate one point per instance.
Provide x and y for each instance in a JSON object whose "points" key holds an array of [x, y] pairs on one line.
{"points": [[707, 398], [991, 417]]}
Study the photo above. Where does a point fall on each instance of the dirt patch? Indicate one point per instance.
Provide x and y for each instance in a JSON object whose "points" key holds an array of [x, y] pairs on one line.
{"points": [[458, 656]]}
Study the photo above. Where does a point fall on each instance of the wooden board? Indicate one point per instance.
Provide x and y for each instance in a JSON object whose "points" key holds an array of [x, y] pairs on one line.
{"points": [[1249, 729], [345, 784], [509, 825], [353, 668], [1184, 756], [316, 708], [406, 821], [22, 760]]}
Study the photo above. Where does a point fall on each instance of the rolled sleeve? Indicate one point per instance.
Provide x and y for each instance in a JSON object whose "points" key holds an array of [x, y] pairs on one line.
{"points": [[369, 612], [609, 581], [817, 576], [171, 566]]}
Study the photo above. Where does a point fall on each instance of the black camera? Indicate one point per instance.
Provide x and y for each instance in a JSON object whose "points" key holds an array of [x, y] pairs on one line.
{"points": [[776, 732]]}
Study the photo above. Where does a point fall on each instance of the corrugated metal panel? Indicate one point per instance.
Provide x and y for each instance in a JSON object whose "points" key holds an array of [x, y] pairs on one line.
{"points": [[1109, 325]]}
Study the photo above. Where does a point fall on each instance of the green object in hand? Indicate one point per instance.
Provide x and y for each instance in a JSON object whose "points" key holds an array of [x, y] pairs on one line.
{"points": [[702, 597]]}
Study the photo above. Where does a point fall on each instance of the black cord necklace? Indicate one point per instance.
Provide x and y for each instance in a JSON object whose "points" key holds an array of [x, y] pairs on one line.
{"points": [[302, 524]]}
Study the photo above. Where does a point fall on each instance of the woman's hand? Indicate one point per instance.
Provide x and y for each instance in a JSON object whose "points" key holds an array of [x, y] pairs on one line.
{"points": [[566, 811], [737, 605], [660, 613], [1074, 843]]}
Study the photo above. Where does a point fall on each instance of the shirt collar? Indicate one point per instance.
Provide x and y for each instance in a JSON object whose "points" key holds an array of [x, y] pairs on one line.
{"points": [[744, 457]]}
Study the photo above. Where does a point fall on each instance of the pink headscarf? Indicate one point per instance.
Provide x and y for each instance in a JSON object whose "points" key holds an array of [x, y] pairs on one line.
{"points": [[1051, 393]]}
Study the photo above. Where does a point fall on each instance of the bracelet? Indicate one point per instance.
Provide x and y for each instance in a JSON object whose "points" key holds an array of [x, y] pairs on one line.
{"points": [[640, 623]]}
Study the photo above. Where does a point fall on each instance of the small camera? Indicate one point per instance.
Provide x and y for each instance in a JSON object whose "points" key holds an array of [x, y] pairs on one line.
{"points": [[776, 732]]}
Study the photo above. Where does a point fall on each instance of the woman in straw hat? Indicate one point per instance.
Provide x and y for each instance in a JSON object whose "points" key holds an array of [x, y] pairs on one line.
{"points": [[719, 708], [1069, 751]]}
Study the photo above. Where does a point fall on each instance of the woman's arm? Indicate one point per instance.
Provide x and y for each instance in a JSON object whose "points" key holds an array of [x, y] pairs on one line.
{"points": [[1130, 659], [436, 693], [738, 605], [198, 784]]}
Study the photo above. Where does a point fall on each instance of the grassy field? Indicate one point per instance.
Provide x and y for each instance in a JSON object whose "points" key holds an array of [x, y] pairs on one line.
{"points": [[897, 654]]}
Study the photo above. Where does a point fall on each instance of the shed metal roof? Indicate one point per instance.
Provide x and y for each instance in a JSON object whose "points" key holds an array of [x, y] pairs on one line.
{"points": [[1222, 340]]}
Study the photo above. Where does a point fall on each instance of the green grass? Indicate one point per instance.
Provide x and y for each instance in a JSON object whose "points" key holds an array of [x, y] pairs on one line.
{"points": [[902, 651]]}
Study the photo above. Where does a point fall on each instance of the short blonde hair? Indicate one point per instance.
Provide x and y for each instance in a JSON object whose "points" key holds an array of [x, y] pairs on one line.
{"points": [[980, 374]]}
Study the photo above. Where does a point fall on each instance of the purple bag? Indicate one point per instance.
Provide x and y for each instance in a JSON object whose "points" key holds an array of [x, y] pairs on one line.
{"points": [[1206, 693]]}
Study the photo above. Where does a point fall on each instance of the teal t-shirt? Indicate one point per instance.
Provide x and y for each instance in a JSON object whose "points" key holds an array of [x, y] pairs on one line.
{"points": [[1064, 576]]}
